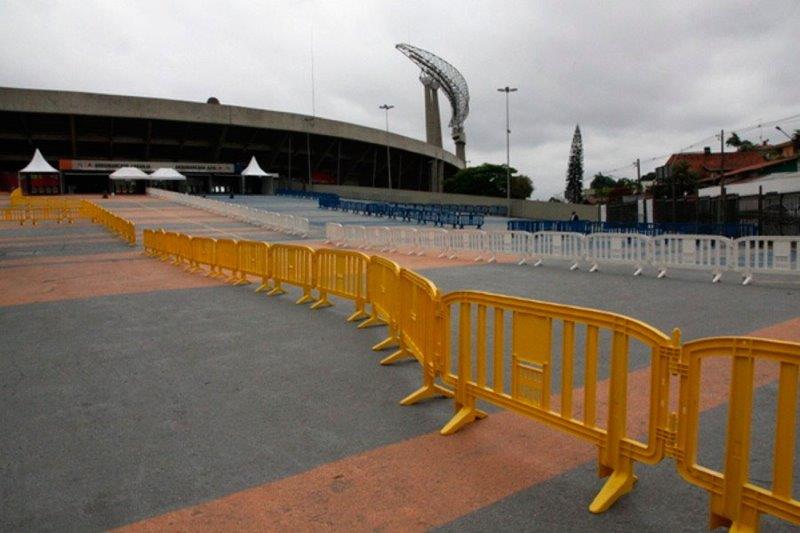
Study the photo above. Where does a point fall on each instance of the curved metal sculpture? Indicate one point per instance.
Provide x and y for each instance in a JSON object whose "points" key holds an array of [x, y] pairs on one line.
{"points": [[446, 76]]}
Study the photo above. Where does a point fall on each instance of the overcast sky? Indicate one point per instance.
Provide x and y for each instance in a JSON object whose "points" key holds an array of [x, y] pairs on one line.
{"points": [[642, 78]]}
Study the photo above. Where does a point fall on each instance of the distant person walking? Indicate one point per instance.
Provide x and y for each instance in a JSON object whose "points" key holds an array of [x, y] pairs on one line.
{"points": [[574, 217]]}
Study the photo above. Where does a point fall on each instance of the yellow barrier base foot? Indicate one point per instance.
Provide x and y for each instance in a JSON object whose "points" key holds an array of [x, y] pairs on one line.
{"points": [[464, 416], [370, 322], [396, 356], [263, 287], [618, 484], [388, 342], [321, 304], [358, 314], [304, 299], [424, 392], [276, 291], [238, 282]]}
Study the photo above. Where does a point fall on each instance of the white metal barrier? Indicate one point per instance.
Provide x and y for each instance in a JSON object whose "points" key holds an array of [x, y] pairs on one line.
{"points": [[334, 234], [558, 245], [435, 240], [699, 252], [464, 242], [617, 248], [276, 221], [378, 238], [508, 243], [355, 236], [404, 240], [774, 255]]}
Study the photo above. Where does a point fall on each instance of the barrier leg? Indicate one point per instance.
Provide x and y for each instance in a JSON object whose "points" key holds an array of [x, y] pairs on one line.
{"points": [[662, 273], [240, 279], [619, 483], [746, 279], [638, 271], [277, 289], [717, 277], [306, 297], [429, 389], [466, 414], [372, 321], [594, 268], [400, 354], [359, 313], [322, 302], [264, 285]]}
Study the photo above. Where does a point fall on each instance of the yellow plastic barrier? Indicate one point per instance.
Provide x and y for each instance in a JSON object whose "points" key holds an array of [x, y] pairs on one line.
{"points": [[227, 257], [36, 214], [124, 228], [419, 327], [253, 261], [736, 499], [531, 348], [294, 265], [184, 251], [203, 255], [383, 293], [493, 328], [149, 242], [342, 273], [169, 245]]}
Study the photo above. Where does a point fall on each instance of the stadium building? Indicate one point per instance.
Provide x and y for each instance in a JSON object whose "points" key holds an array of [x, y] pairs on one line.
{"points": [[88, 136]]}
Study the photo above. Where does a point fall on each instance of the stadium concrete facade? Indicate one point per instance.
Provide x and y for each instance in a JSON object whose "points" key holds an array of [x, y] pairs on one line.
{"points": [[88, 135]]}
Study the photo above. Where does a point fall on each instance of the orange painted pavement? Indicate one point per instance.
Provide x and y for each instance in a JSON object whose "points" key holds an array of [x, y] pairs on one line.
{"points": [[114, 274], [425, 481]]}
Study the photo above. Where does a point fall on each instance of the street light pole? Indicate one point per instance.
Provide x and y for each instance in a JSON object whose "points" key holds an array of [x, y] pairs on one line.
{"points": [[387, 107], [507, 90]]}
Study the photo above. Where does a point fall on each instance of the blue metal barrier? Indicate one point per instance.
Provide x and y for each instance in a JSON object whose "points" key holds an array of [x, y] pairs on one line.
{"points": [[733, 231]]}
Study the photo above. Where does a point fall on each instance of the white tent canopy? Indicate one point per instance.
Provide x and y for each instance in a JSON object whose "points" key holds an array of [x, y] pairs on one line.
{"points": [[38, 165], [128, 173], [253, 169], [167, 174], [779, 182]]}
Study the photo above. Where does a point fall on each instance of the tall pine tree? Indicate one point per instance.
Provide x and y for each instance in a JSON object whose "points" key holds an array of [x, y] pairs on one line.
{"points": [[574, 191]]}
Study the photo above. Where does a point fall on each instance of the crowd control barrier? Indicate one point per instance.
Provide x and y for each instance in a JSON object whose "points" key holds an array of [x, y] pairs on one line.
{"points": [[650, 229], [558, 245], [275, 221], [341, 273], [334, 234], [118, 225], [383, 291], [736, 498], [617, 248], [227, 259], [294, 265], [699, 252], [529, 333], [773, 255], [203, 255], [508, 351], [253, 260]]}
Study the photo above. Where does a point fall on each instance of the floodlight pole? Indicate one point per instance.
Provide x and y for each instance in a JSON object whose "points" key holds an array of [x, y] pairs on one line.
{"points": [[387, 107], [507, 90]]}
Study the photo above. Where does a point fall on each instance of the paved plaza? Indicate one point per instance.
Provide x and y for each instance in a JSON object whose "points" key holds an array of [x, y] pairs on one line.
{"points": [[138, 396]]}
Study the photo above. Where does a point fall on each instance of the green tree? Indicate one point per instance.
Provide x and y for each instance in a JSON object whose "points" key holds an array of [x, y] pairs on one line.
{"points": [[601, 181], [741, 146], [488, 180], [574, 190], [679, 180]]}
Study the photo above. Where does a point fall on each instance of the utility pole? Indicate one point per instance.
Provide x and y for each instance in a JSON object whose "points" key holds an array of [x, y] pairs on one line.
{"points": [[508, 90], [387, 107], [638, 170], [310, 122], [723, 208]]}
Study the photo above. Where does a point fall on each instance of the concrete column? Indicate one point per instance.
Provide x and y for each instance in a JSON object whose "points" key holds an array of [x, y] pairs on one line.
{"points": [[433, 122]]}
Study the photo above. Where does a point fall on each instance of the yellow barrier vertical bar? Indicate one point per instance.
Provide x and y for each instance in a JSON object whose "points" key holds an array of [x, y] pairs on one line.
{"points": [[499, 352], [612, 462], [728, 506], [590, 378], [567, 348], [465, 402], [481, 341], [783, 465]]}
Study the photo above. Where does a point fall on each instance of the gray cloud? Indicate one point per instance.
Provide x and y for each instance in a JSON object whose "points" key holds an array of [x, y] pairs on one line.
{"points": [[642, 78]]}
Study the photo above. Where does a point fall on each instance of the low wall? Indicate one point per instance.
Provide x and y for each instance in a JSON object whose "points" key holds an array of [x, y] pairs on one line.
{"points": [[519, 208]]}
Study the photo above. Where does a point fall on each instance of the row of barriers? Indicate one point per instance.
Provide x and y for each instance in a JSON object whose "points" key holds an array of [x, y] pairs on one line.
{"points": [[18, 200], [645, 228], [711, 253], [290, 224], [419, 213], [578, 370], [121, 227], [57, 210], [306, 195]]}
